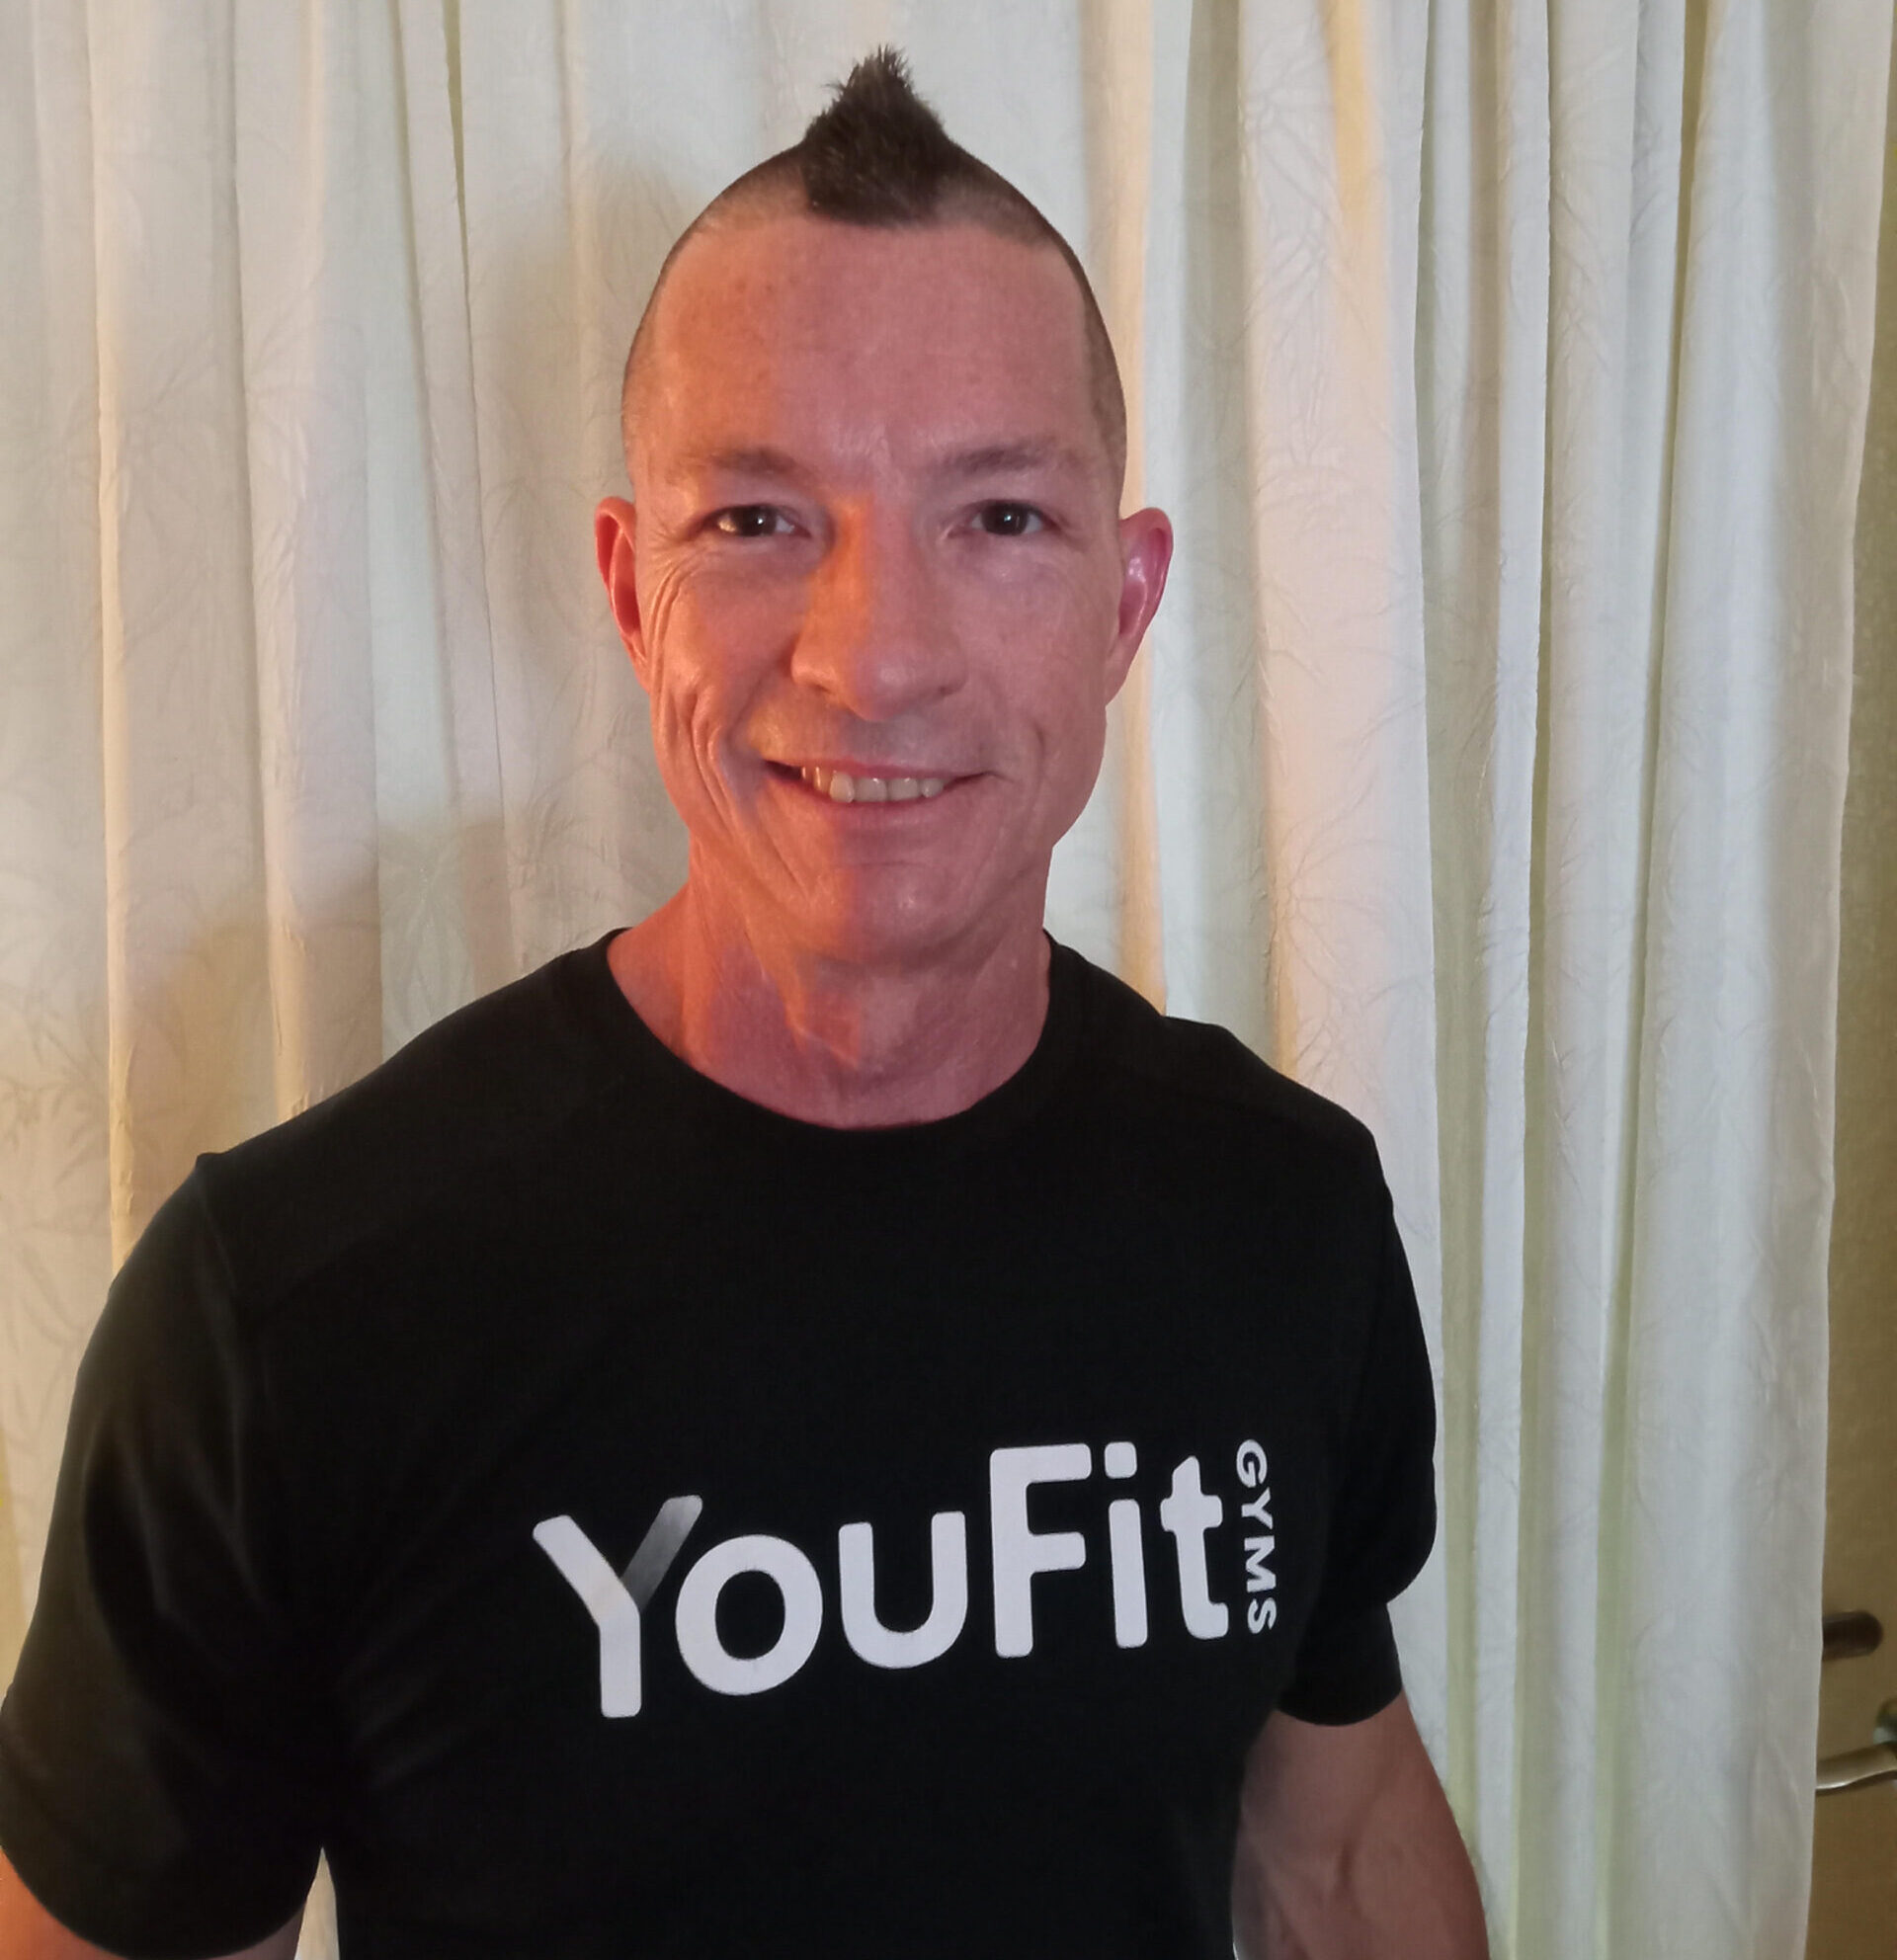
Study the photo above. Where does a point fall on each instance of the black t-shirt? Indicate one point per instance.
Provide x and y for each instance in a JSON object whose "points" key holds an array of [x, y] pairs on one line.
{"points": [[613, 1519]]}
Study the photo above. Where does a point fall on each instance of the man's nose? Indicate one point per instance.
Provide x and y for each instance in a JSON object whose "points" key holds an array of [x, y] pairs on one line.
{"points": [[877, 637]]}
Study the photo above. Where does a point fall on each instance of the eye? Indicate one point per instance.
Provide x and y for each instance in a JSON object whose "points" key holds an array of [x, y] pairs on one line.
{"points": [[751, 520], [1008, 520]]}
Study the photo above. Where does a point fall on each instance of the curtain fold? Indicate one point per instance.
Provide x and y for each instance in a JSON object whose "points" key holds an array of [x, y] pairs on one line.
{"points": [[1504, 368], [1482, 396]]}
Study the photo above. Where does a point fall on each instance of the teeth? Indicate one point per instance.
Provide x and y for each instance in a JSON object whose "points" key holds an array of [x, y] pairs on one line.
{"points": [[842, 789]]}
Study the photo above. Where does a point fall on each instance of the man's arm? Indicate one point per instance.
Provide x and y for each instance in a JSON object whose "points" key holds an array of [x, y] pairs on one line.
{"points": [[1347, 1849], [28, 1931]]}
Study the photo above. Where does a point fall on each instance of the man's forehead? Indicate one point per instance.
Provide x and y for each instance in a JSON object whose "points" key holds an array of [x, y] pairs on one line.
{"points": [[758, 312]]}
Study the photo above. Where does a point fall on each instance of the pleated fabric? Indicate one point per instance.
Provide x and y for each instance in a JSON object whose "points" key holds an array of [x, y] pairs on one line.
{"points": [[1504, 368]]}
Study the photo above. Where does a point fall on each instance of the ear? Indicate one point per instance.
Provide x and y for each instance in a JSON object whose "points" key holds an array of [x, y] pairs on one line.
{"points": [[615, 526], [1145, 553]]}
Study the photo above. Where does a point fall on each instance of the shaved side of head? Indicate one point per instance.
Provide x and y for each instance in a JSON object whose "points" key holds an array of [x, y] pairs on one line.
{"points": [[879, 157]]}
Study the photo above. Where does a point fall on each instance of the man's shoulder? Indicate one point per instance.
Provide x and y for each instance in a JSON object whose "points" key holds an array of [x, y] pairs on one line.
{"points": [[1200, 1066], [503, 1077]]}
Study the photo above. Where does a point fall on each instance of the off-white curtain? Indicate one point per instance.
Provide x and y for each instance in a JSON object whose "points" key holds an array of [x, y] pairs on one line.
{"points": [[1504, 366]]}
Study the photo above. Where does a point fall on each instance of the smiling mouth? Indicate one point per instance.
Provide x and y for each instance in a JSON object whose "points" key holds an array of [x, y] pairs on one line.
{"points": [[842, 788]]}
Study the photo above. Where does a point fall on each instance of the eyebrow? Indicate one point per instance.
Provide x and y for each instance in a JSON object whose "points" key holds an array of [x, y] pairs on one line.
{"points": [[980, 459], [1003, 459], [742, 459]]}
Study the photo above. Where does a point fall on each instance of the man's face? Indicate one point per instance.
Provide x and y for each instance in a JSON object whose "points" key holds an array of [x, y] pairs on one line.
{"points": [[876, 585]]}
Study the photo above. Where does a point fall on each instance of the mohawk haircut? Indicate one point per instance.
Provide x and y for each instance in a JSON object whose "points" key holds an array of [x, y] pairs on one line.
{"points": [[879, 157]]}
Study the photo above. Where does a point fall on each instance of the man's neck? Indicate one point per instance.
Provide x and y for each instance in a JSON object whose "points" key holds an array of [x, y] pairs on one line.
{"points": [[826, 1041]]}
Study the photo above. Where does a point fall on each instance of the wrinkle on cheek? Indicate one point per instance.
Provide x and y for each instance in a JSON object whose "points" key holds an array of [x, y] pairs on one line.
{"points": [[694, 714], [674, 694], [658, 590]]}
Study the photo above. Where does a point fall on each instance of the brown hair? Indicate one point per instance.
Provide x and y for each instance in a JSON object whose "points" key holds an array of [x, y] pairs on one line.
{"points": [[879, 156]]}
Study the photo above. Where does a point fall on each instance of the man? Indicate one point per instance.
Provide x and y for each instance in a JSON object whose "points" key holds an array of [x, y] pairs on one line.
{"points": [[821, 1424]]}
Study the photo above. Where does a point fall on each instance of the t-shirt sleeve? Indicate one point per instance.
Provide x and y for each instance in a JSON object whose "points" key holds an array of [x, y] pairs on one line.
{"points": [[162, 1750], [1383, 1519]]}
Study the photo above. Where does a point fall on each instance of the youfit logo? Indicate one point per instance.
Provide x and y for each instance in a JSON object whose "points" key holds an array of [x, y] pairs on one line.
{"points": [[619, 1601]]}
